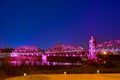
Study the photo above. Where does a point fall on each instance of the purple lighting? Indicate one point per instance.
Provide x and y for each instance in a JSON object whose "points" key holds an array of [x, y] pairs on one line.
{"points": [[92, 45], [64, 48], [63, 54], [13, 55], [25, 54], [44, 57]]}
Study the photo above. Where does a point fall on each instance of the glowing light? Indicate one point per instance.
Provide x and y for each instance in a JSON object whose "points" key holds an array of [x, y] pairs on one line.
{"points": [[98, 71], [104, 53], [44, 57], [92, 46], [24, 74], [63, 48], [65, 73], [104, 62]]}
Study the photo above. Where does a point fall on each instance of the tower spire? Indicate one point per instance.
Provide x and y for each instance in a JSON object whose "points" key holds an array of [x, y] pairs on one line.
{"points": [[92, 46]]}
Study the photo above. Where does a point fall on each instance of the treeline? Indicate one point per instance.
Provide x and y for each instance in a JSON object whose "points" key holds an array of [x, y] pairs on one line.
{"points": [[6, 50]]}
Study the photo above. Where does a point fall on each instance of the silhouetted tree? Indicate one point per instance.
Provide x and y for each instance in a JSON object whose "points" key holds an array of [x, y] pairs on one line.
{"points": [[7, 49]]}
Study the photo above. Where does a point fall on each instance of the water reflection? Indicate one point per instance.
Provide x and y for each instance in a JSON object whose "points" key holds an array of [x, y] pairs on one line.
{"points": [[37, 63], [44, 59]]}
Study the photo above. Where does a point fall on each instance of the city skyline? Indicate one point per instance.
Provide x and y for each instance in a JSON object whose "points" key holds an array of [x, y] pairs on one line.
{"points": [[47, 23]]}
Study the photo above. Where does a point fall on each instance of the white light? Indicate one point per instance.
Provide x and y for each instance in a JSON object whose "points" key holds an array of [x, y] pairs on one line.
{"points": [[98, 71], [105, 52], [65, 73], [24, 74]]}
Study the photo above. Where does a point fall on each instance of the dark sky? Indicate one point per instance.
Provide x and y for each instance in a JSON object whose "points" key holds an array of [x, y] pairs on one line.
{"points": [[44, 23]]}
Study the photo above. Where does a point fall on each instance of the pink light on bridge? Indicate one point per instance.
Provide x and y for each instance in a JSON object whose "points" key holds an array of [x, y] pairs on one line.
{"points": [[92, 45], [44, 57]]}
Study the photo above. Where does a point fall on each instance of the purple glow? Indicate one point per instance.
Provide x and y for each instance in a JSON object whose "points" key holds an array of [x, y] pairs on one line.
{"points": [[44, 57], [18, 63], [109, 46], [13, 55], [92, 45], [32, 55], [27, 49], [63, 48]]}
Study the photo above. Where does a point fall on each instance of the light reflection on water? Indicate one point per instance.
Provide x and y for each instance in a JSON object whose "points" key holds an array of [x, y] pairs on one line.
{"points": [[48, 60], [37, 63]]}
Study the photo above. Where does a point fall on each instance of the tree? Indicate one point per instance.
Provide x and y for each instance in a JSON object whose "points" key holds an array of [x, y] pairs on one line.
{"points": [[7, 49]]}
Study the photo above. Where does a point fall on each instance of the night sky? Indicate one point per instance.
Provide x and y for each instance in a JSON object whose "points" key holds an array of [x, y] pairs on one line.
{"points": [[45, 23]]}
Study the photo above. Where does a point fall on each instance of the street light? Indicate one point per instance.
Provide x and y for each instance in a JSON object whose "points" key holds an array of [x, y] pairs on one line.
{"points": [[104, 53]]}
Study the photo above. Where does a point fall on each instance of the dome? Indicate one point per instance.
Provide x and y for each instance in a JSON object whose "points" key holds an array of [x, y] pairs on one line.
{"points": [[64, 48], [26, 49]]}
